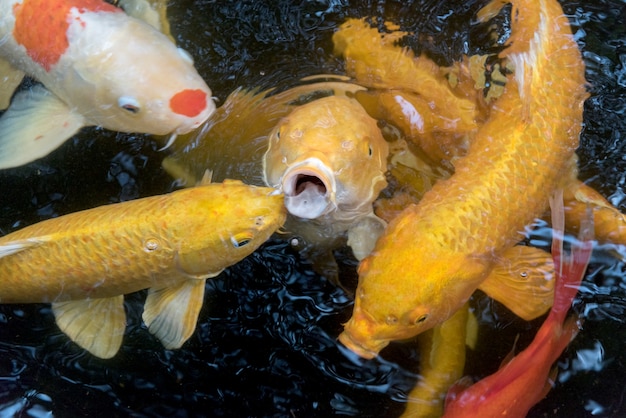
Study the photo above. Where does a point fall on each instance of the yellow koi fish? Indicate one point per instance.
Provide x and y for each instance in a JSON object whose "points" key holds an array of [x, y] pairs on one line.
{"points": [[329, 159], [434, 255], [316, 145], [412, 92], [83, 263]]}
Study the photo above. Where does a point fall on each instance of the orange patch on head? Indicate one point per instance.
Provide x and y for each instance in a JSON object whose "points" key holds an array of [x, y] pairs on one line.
{"points": [[188, 102], [41, 26]]}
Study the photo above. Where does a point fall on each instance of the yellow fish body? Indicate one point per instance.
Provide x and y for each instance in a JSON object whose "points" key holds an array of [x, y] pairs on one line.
{"points": [[434, 255], [323, 127], [329, 159], [84, 262]]}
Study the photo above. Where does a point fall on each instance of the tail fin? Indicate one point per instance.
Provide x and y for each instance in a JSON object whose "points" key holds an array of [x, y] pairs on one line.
{"points": [[569, 270]]}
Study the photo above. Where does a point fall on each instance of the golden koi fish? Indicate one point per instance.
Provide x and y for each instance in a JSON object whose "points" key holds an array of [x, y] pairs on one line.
{"points": [[83, 263], [434, 255], [329, 159], [325, 154], [412, 92]]}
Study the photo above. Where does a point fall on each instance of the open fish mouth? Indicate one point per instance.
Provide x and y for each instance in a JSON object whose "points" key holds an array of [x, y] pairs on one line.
{"points": [[309, 189]]}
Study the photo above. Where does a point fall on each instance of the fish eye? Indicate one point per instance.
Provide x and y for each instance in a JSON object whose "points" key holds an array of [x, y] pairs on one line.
{"points": [[129, 104], [421, 319], [241, 240], [370, 150]]}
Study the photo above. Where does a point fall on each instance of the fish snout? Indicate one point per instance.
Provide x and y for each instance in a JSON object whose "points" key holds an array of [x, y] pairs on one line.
{"points": [[309, 189], [195, 105], [358, 336]]}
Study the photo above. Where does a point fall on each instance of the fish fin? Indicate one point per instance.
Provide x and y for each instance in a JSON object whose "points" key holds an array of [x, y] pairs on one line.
{"points": [[153, 12], [171, 313], [10, 78], [471, 336], [179, 171], [570, 269], [14, 247], [511, 354], [457, 388], [609, 222], [490, 10], [97, 325], [522, 280], [169, 143], [206, 178], [363, 235], [36, 123]]}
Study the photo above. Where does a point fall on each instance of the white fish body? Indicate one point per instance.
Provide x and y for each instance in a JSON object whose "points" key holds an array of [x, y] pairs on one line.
{"points": [[99, 66]]}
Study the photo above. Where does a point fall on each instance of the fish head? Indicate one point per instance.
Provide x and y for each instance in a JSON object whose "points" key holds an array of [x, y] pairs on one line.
{"points": [[399, 298], [227, 222], [327, 156], [127, 76]]}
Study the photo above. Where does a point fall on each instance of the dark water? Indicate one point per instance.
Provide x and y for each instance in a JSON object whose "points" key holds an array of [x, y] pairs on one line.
{"points": [[265, 344]]}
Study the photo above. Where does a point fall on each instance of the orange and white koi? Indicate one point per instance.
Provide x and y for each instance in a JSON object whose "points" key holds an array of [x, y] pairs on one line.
{"points": [[98, 66]]}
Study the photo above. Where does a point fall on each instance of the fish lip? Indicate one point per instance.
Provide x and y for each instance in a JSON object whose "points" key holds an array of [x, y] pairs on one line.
{"points": [[317, 198], [358, 347], [189, 124]]}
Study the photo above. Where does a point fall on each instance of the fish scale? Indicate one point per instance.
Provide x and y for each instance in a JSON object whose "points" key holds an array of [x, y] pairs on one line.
{"points": [[123, 258], [74, 254], [434, 255]]}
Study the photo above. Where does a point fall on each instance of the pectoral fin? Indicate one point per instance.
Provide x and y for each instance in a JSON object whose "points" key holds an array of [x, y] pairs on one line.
{"points": [[177, 170], [36, 123], [523, 281], [363, 236], [14, 247], [10, 78], [609, 223], [97, 325], [171, 313], [153, 12]]}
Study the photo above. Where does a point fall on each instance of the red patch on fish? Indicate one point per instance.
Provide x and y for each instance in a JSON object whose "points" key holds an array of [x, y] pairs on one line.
{"points": [[41, 26], [188, 102]]}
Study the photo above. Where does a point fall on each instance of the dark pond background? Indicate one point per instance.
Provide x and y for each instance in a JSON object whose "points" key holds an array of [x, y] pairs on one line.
{"points": [[266, 340]]}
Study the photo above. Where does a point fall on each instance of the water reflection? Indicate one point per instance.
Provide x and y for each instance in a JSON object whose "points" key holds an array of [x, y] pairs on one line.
{"points": [[266, 339]]}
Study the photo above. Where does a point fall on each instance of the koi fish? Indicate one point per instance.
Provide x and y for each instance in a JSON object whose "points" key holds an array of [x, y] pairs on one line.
{"points": [[316, 145], [442, 359], [436, 253], [411, 92], [329, 159], [84, 262], [233, 149], [525, 379], [98, 66]]}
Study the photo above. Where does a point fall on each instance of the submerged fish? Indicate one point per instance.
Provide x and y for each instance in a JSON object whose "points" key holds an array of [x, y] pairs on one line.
{"points": [[83, 263], [98, 66], [410, 91], [442, 359], [434, 255], [525, 379], [329, 159]]}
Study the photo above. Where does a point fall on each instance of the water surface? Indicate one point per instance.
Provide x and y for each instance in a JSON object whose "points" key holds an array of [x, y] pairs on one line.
{"points": [[266, 339]]}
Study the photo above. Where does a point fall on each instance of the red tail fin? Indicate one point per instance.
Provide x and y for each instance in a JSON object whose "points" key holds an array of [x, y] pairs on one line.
{"points": [[570, 270]]}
